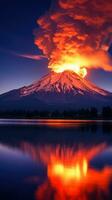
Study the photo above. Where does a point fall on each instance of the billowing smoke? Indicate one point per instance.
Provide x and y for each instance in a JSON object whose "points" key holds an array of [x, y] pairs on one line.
{"points": [[77, 32]]}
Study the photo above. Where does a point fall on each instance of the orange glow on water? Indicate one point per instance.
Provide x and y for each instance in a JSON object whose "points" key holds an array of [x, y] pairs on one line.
{"points": [[94, 185], [69, 173], [60, 123]]}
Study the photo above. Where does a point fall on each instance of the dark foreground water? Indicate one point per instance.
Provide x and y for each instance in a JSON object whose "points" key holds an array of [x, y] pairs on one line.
{"points": [[55, 160]]}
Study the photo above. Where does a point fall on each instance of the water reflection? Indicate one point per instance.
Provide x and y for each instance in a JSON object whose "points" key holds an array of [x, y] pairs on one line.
{"points": [[55, 159], [69, 173], [51, 132], [83, 125]]}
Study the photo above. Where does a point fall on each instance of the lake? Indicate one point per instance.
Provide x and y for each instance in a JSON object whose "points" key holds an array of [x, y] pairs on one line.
{"points": [[55, 159]]}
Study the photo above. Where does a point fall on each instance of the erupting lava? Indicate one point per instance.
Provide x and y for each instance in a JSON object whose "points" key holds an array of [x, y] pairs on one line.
{"points": [[69, 65], [76, 35], [69, 174]]}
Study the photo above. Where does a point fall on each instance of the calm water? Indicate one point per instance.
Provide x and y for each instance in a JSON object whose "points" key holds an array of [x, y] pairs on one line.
{"points": [[29, 149]]}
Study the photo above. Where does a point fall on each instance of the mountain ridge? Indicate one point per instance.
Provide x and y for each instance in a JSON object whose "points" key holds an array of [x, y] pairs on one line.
{"points": [[66, 81], [56, 91]]}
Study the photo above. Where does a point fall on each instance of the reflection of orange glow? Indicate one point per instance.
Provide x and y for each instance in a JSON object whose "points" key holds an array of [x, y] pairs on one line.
{"points": [[60, 123], [93, 186], [69, 174]]}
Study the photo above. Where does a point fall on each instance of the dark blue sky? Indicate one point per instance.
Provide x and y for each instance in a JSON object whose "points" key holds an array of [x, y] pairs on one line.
{"points": [[17, 23]]}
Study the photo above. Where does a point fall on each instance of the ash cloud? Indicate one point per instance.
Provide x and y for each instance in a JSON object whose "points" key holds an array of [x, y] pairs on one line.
{"points": [[77, 29]]}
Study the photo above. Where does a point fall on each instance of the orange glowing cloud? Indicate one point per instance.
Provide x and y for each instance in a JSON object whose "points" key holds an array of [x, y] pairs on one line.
{"points": [[75, 35]]}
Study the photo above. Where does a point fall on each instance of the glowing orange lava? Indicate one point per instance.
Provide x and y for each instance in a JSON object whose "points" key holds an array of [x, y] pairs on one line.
{"points": [[72, 64], [72, 67]]}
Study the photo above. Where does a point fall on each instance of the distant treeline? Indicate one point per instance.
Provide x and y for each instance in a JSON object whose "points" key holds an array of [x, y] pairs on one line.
{"points": [[92, 113]]}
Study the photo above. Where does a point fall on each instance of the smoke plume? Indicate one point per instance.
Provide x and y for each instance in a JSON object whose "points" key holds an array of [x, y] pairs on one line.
{"points": [[76, 31]]}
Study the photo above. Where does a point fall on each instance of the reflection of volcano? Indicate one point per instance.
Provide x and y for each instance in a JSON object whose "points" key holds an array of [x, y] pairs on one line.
{"points": [[56, 90], [93, 186], [69, 173]]}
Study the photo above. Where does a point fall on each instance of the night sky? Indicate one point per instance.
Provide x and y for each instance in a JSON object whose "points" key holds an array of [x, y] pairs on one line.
{"points": [[17, 24]]}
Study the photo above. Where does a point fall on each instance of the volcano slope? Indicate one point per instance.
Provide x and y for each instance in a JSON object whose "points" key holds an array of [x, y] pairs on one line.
{"points": [[56, 91]]}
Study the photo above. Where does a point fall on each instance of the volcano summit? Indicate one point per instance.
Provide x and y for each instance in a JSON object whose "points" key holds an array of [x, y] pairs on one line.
{"points": [[62, 91]]}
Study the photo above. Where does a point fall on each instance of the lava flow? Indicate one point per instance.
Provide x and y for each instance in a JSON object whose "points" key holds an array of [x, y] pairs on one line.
{"points": [[69, 173]]}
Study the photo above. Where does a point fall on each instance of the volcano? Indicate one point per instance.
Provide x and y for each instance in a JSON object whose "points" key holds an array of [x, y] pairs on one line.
{"points": [[63, 91]]}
